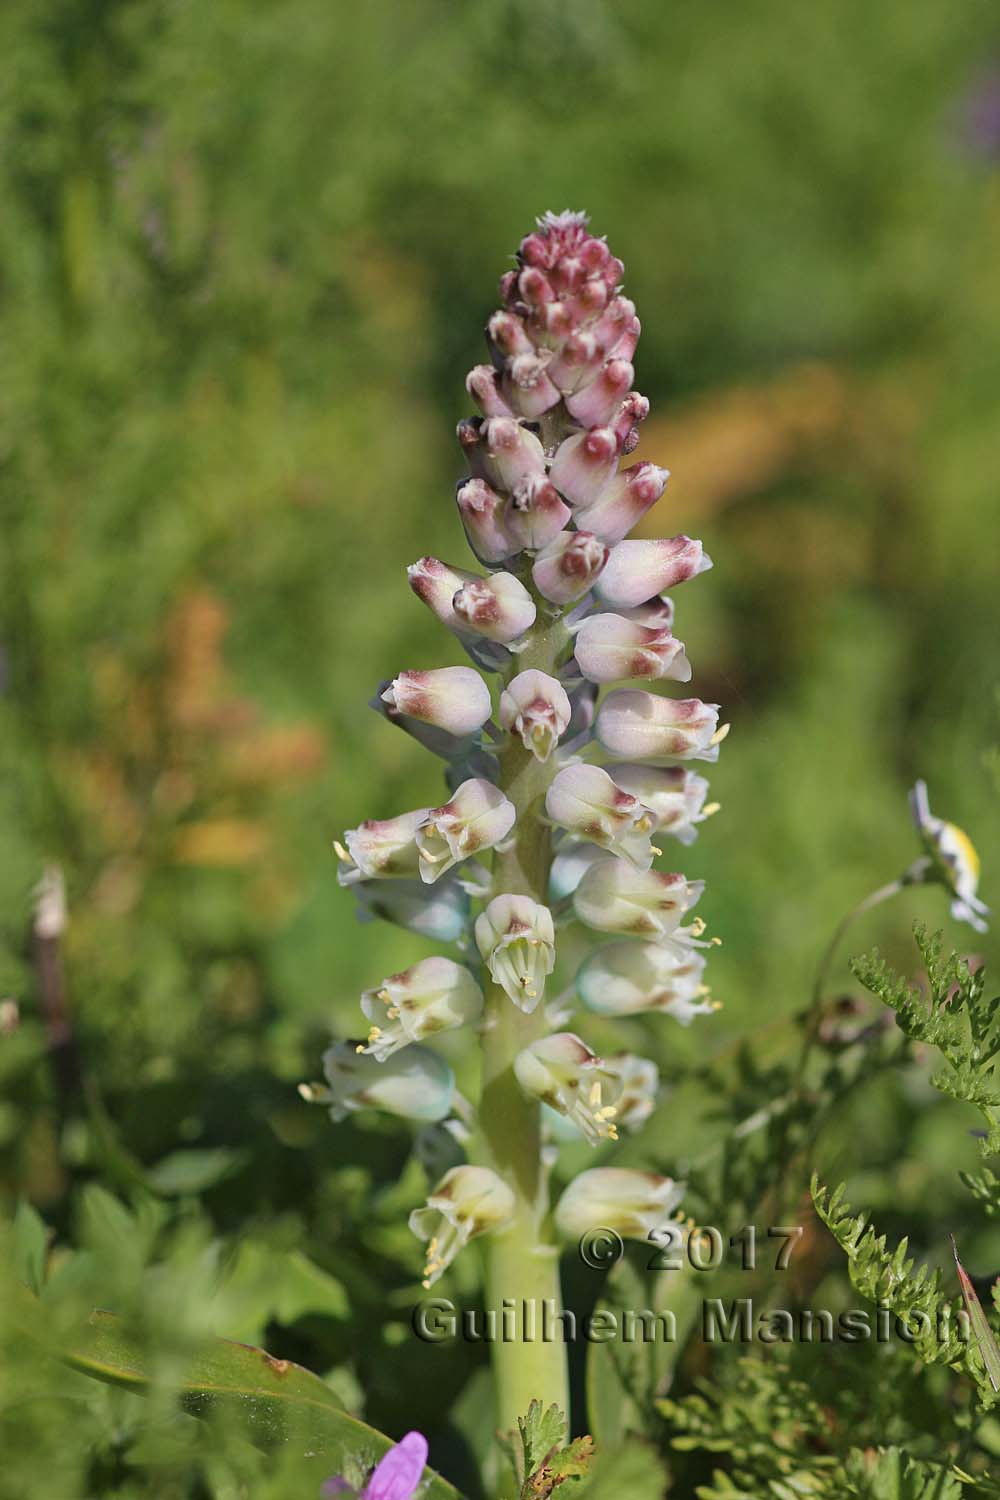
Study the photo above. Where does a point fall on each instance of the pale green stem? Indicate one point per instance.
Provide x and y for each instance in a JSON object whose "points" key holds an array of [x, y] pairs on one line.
{"points": [[522, 1264]]}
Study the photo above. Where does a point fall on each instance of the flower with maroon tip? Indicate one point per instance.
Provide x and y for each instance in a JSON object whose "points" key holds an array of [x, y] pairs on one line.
{"points": [[563, 1073], [478, 817], [632, 978], [583, 465], [634, 725], [585, 801], [614, 896], [498, 607], [455, 699], [437, 583], [624, 501], [594, 404], [415, 1084], [535, 708], [609, 647], [636, 570], [674, 795], [483, 511], [512, 452], [567, 568], [381, 848], [435, 994], [536, 514]]}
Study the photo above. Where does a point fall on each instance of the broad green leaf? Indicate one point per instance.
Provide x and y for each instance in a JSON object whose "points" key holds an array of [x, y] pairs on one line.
{"points": [[194, 1171], [279, 1401], [633, 1471], [29, 1246]]}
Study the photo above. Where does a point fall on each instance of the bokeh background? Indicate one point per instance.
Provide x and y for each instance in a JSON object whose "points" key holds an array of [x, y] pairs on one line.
{"points": [[246, 256]]}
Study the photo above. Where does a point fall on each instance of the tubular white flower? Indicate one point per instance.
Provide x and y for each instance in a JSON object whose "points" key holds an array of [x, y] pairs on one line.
{"points": [[567, 567], [614, 897], [594, 404], [415, 1084], [381, 848], [585, 800], [953, 860], [468, 1201], [498, 607], [483, 513], [534, 706], [437, 583], [636, 570], [630, 978], [452, 698], [516, 939], [674, 795], [562, 1071], [640, 1081], [624, 501], [609, 647], [435, 994], [631, 1203], [633, 725], [477, 817]]}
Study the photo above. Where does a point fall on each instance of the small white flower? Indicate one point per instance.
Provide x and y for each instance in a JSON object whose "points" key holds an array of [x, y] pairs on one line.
{"points": [[614, 897], [631, 1203], [534, 706], [585, 800], [674, 795], [415, 1084], [455, 699], [633, 725], [610, 647], [381, 849], [477, 817], [516, 939], [435, 994], [562, 1072], [468, 1201], [629, 978], [953, 860]]}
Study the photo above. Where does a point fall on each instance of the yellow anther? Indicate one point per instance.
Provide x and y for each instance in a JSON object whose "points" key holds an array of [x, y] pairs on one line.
{"points": [[341, 853], [710, 809], [594, 1096], [720, 734]]}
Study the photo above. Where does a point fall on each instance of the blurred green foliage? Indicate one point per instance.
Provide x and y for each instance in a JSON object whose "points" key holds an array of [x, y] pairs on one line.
{"points": [[245, 255]]}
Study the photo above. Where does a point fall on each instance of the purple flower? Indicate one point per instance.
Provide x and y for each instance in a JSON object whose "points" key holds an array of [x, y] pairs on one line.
{"points": [[395, 1477]]}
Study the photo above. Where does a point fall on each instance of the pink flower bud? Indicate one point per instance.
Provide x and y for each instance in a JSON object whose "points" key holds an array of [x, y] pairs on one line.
{"points": [[624, 424], [482, 511], [674, 795], [498, 607], [567, 567], [596, 403], [577, 363], [526, 385], [629, 978], [624, 501], [583, 465], [470, 435], [513, 453], [613, 896], [478, 817], [537, 514], [516, 939], [437, 583], [634, 725], [381, 848], [452, 698], [508, 335], [617, 319], [535, 287], [637, 570], [483, 386], [610, 647], [585, 800], [535, 707]]}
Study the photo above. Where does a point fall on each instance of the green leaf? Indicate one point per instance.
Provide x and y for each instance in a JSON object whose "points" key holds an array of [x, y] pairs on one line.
{"points": [[30, 1240], [268, 1284], [194, 1171], [279, 1401], [632, 1472], [540, 1460]]}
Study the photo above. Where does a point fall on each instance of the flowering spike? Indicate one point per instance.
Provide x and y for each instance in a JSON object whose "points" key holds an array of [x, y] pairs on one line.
{"points": [[634, 725], [535, 707], [585, 800], [468, 1201], [516, 939], [615, 897], [435, 994], [562, 1072], [455, 699], [567, 568], [477, 817], [631, 1203], [610, 647], [637, 570]]}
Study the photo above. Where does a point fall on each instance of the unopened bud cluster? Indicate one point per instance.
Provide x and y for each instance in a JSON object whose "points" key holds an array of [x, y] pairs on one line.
{"points": [[547, 507]]}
